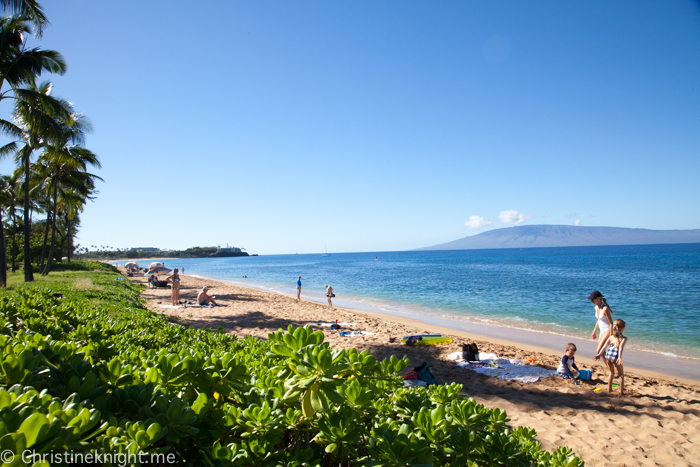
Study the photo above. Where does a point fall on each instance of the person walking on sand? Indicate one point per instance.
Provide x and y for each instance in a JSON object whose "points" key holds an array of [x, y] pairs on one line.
{"points": [[603, 316], [204, 299], [613, 354], [329, 294], [299, 288], [175, 279]]}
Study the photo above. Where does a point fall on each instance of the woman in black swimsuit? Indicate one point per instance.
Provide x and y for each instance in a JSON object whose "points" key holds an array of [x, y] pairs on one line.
{"points": [[175, 279]]}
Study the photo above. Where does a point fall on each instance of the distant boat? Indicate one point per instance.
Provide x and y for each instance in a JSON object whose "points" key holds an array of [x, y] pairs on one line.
{"points": [[326, 253]]}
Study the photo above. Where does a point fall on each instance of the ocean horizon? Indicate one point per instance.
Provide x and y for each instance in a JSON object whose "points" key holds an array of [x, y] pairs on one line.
{"points": [[654, 288]]}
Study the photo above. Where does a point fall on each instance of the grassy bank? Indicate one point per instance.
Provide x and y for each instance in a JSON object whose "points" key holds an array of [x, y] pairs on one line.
{"points": [[85, 368]]}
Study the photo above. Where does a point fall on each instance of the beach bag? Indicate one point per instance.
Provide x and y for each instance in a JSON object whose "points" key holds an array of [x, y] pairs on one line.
{"points": [[424, 373], [410, 374], [411, 341], [470, 352]]}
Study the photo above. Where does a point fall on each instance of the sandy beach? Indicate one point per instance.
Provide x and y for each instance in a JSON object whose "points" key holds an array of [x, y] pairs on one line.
{"points": [[655, 423]]}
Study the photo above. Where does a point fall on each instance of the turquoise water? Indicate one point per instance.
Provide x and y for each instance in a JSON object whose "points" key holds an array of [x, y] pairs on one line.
{"points": [[654, 288]]}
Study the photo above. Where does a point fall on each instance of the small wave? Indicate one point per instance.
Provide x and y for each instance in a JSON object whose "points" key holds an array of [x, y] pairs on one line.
{"points": [[669, 354]]}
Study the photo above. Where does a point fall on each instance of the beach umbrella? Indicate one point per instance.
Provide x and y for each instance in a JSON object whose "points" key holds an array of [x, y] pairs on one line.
{"points": [[131, 264], [157, 271], [154, 265]]}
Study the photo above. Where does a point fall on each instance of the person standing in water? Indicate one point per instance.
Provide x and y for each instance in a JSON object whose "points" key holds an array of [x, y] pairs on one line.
{"points": [[329, 294], [299, 288], [603, 315]]}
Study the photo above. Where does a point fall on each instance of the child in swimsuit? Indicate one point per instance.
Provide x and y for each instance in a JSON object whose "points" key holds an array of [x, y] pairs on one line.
{"points": [[613, 354], [567, 363]]}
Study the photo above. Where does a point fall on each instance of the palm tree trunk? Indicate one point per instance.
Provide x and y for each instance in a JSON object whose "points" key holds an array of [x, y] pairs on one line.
{"points": [[3, 258], [46, 236], [62, 248], [49, 261], [28, 275], [14, 239], [69, 250]]}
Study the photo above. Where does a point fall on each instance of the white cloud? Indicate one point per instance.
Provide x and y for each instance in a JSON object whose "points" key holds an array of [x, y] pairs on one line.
{"points": [[476, 223], [577, 222], [511, 217]]}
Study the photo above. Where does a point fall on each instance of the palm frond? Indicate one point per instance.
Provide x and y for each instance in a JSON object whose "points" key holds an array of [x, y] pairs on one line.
{"points": [[30, 9], [10, 129]]}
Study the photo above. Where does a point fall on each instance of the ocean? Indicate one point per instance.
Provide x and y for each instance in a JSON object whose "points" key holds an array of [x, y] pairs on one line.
{"points": [[654, 288]]}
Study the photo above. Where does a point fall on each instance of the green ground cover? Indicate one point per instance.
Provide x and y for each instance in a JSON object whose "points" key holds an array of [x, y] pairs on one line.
{"points": [[85, 368]]}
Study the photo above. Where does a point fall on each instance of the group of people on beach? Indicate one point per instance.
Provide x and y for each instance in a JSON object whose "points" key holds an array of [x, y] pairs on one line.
{"points": [[610, 343], [329, 292], [203, 297]]}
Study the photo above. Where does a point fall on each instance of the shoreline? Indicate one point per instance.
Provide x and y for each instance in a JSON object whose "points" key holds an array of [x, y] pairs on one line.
{"points": [[684, 369], [659, 413]]}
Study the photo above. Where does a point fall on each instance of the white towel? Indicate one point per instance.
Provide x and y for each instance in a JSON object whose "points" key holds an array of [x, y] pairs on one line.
{"points": [[511, 370], [414, 383]]}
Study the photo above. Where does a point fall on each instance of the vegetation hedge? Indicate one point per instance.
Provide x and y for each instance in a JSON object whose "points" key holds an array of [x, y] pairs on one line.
{"points": [[83, 265], [84, 367]]}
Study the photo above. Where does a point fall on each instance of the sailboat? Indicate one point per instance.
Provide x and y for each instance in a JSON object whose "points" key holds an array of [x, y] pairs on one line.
{"points": [[326, 253]]}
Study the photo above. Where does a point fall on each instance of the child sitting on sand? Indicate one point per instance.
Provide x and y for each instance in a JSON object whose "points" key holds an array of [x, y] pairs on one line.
{"points": [[567, 362], [613, 354]]}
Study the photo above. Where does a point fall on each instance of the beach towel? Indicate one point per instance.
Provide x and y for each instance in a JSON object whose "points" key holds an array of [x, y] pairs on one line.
{"points": [[355, 333], [503, 368], [414, 383], [512, 372]]}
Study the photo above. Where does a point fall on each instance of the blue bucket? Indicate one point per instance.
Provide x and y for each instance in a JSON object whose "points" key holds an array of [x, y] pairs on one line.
{"points": [[584, 374]]}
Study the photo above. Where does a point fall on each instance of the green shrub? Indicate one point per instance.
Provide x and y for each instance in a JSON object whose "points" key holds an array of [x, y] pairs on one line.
{"points": [[82, 265], [94, 371]]}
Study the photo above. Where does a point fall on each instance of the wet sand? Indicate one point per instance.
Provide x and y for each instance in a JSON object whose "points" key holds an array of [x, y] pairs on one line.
{"points": [[655, 423]]}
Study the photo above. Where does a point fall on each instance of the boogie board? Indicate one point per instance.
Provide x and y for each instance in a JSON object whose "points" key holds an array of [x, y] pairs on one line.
{"points": [[421, 335], [434, 341]]}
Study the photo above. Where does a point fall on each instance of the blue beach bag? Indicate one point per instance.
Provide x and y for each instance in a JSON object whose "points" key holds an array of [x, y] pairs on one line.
{"points": [[424, 374]]}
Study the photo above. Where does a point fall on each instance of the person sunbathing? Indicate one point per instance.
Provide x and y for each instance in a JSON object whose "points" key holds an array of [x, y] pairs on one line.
{"points": [[203, 297]]}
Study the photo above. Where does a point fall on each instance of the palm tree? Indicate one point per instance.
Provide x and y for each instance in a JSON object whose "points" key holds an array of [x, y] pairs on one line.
{"points": [[38, 118], [35, 111], [11, 198], [72, 203], [68, 161], [42, 196], [29, 9], [20, 65], [5, 196]]}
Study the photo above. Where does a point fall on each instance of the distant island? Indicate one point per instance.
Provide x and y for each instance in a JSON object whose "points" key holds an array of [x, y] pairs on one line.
{"points": [[538, 236], [151, 252]]}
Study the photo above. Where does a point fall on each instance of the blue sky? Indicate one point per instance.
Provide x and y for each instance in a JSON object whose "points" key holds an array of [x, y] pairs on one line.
{"points": [[282, 127]]}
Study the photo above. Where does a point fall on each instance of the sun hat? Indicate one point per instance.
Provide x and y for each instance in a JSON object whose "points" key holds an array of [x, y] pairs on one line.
{"points": [[206, 287], [595, 294]]}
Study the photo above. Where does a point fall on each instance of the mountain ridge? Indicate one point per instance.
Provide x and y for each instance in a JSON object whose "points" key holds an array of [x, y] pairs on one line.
{"points": [[545, 235]]}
